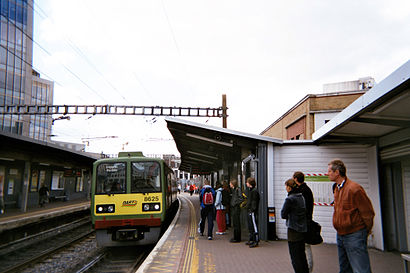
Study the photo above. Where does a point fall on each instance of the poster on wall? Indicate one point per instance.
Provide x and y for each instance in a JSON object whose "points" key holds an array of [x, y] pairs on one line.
{"points": [[42, 178], [34, 181], [321, 187], [57, 182], [10, 188]]}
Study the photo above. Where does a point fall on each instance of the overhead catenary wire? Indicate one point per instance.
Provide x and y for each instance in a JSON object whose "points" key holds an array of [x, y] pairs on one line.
{"points": [[48, 53]]}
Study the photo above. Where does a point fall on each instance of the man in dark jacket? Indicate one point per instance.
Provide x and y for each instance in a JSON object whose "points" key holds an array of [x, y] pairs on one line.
{"points": [[236, 201], [252, 207], [207, 210], [307, 194]]}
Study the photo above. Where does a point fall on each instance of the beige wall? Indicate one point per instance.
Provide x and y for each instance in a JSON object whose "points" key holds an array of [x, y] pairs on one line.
{"points": [[306, 109]]}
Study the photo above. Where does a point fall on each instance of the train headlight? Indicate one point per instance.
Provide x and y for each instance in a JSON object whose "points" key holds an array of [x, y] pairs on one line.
{"points": [[151, 207], [146, 207], [105, 208]]}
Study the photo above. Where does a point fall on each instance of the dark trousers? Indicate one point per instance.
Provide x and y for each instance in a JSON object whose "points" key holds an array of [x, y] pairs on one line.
{"points": [[207, 213], [298, 256], [236, 221], [253, 227]]}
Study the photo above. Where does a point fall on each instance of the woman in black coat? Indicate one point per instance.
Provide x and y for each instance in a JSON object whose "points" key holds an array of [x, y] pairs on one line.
{"points": [[294, 211]]}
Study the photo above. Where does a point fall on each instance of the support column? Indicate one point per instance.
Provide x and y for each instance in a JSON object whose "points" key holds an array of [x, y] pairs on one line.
{"points": [[24, 188], [262, 185]]}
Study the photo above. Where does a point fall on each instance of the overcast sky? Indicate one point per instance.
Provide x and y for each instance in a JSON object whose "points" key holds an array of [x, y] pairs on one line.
{"points": [[265, 55]]}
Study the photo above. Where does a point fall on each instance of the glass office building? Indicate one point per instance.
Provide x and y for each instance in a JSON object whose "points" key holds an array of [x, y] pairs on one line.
{"points": [[19, 84]]}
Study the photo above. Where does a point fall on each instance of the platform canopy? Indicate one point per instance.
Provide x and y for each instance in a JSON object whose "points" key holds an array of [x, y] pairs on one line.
{"points": [[381, 111], [204, 149]]}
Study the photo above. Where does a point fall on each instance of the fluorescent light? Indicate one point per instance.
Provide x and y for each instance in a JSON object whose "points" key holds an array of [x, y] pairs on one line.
{"points": [[208, 156], [200, 160], [209, 140], [6, 159]]}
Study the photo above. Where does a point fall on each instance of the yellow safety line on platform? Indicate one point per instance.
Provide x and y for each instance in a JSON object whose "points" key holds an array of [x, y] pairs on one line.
{"points": [[191, 254]]}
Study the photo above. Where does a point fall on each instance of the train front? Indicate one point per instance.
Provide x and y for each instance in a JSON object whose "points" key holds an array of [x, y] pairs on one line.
{"points": [[127, 204]]}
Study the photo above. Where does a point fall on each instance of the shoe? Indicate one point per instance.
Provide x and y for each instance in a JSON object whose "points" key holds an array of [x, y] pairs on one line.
{"points": [[249, 243], [220, 233], [234, 241], [209, 237], [253, 245]]}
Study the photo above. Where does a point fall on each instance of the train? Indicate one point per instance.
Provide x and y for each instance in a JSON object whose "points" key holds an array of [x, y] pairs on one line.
{"points": [[131, 198]]}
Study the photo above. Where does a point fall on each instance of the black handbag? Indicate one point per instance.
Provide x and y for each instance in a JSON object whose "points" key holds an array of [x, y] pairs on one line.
{"points": [[312, 236]]}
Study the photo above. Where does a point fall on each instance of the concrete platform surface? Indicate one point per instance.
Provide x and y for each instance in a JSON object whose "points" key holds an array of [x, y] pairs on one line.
{"points": [[182, 249]]}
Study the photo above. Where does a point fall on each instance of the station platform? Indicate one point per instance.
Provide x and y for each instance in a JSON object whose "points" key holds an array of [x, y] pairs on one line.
{"points": [[14, 218], [182, 249]]}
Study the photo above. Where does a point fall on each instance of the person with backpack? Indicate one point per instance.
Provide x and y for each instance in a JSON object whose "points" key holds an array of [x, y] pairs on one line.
{"points": [[207, 199], [220, 210]]}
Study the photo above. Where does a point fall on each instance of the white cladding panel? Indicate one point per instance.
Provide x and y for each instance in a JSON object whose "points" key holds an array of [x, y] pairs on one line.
{"points": [[312, 159], [406, 191]]}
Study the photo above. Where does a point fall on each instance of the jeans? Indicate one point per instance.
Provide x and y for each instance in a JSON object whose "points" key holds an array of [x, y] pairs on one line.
{"points": [[352, 250], [207, 213]]}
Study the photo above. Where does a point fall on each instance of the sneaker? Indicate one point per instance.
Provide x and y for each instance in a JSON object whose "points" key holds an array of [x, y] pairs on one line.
{"points": [[220, 233], [248, 243], [253, 245], [209, 237]]}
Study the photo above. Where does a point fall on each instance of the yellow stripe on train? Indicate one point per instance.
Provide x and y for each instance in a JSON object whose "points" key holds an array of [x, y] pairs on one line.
{"points": [[128, 203]]}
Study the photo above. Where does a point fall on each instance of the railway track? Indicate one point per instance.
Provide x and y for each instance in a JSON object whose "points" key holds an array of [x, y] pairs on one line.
{"points": [[124, 259], [25, 253]]}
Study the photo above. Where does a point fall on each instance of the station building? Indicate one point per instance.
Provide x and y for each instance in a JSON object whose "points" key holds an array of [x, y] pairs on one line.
{"points": [[315, 110], [371, 136], [26, 163]]}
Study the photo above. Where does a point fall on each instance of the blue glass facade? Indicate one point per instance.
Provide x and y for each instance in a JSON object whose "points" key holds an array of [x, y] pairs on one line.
{"points": [[17, 84], [13, 57]]}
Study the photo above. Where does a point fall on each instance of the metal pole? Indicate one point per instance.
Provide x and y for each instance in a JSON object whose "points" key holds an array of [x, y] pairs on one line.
{"points": [[224, 110]]}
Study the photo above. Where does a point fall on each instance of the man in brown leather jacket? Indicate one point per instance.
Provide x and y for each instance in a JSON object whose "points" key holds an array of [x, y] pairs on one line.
{"points": [[352, 218]]}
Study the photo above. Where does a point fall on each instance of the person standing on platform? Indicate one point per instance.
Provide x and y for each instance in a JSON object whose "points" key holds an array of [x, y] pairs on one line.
{"points": [[220, 210], [352, 218], [207, 199], [226, 201], [43, 195], [236, 201], [306, 192], [294, 211], [191, 189], [252, 207]]}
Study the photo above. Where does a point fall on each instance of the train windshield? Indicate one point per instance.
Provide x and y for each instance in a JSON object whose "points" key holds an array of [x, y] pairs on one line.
{"points": [[145, 177], [111, 178]]}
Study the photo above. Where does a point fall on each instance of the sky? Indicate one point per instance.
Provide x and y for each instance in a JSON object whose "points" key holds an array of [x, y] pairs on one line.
{"points": [[265, 55]]}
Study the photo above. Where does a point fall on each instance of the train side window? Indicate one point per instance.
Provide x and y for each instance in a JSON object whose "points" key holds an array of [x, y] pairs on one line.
{"points": [[111, 178], [145, 177]]}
